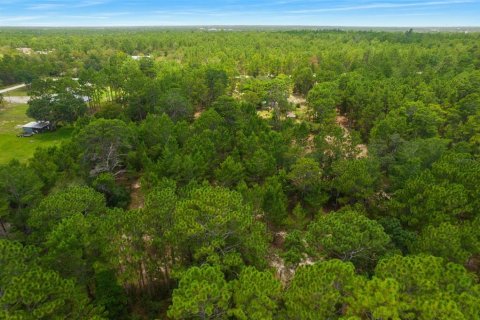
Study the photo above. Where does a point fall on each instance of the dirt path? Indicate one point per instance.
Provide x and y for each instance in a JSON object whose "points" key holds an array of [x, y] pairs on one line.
{"points": [[198, 114], [136, 195], [342, 122], [18, 86], [283, 273]]}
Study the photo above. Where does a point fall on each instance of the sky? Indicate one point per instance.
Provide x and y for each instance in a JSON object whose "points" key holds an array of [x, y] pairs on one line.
{"points": [[372, 13]]}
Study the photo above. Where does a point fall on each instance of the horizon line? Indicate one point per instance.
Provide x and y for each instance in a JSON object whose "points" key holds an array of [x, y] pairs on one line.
{"points": [[236, 25]]}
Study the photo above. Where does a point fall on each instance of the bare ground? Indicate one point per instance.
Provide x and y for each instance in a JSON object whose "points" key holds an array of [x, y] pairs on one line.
{"points": [[198, 114], [136, 196], [297, 100]]}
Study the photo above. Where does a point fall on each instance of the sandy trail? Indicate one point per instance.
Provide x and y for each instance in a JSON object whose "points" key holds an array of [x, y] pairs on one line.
{"points": [[137, 197], [342, 122]]}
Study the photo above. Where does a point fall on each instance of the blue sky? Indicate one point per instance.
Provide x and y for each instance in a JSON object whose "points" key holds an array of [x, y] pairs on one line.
{"points": [[235, 12]]}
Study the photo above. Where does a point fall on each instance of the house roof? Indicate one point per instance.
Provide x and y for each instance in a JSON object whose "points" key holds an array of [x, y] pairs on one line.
{"points": [[36, 124]]}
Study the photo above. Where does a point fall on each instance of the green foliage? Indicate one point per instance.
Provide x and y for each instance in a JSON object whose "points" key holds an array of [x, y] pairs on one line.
{"points": [[276, 97], [376, 299], [274, 200], [332, 144], [216, 81], [59, 102], [104, 144], [298, 218], [202, 293], [228, 108], [31, 292], [256, 295], [294, 248], [466, 83], [176, 106], [64, 204], [209, 119], [304, 80], [431, 288], [323, 100], [260, 165], [230, 172], [305, 174], [43, 163], [349, 236], [110, 295], [116, 195], [401, 237], [443, 194], [455, 243], [306, 177], [214, 225], [184, 120], [414, 156], [62, 109], [155, 132], [318, 291], [422, 121], [355, 179], [111, 110], [20, 190]]}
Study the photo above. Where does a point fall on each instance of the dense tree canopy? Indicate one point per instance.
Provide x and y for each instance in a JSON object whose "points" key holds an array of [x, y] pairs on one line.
{"points": [[243, 174]]}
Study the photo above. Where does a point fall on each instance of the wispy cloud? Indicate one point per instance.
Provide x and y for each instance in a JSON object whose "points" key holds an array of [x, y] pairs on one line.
{"points": [[91, 3], [45, 6], [65, 4], [384, 5]]}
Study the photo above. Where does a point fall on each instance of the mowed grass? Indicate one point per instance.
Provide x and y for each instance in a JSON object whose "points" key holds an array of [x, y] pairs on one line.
{"points": [[22, 92], [12, 147]]}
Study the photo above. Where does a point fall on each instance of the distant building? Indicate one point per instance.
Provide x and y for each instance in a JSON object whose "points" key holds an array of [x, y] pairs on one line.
{"points": [[43, 52], [291, 115], [36, 127], [27, 51], [140, 57]]}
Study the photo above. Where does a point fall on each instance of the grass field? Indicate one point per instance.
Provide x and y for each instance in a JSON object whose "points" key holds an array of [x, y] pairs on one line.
{"points": [[22, 92], [13, 147]]}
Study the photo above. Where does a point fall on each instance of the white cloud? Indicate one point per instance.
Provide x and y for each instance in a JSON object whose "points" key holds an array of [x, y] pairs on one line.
{"points": [[63, 4], [90, 3], [385, 5], [45, 6]]}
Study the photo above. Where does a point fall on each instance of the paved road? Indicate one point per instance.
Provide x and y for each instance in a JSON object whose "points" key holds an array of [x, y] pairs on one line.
{"points": [[13, 88], [20, 100]]}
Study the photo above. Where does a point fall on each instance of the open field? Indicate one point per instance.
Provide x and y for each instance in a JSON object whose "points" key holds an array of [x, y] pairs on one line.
{"points": [[21, 92], [13, 147]]}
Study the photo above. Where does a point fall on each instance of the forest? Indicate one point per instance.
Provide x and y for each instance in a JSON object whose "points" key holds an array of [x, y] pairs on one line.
{"points": [[243, 174]]}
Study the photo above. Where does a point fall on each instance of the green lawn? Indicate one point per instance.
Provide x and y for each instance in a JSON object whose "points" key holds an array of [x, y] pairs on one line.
{"points": [[22, 92], [13, 147]]}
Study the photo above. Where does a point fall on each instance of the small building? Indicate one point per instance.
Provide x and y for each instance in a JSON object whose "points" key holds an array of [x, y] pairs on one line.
{"points": [[291, 115], [36, 127], [27, 51], [136, 58]]}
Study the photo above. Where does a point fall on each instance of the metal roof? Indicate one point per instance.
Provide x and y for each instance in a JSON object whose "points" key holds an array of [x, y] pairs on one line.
{"points": [[36, 124]]}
